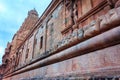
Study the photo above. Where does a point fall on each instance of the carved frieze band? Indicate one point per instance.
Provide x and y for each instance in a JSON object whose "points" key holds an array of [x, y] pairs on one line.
{"points": [[95, 27], [103, 40]]}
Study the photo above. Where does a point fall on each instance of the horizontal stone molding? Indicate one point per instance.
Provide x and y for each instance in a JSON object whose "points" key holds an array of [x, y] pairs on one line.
{"points": [[106, 39]]}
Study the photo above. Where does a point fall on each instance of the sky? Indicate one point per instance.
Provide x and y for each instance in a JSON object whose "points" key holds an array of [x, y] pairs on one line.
{"points": [[12, 15]]}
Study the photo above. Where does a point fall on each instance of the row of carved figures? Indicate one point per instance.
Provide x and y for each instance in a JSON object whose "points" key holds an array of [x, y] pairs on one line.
{"points": [[95, 27]]}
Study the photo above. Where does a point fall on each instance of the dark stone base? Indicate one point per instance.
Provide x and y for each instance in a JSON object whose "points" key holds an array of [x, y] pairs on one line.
{"points": [[77, 78]]}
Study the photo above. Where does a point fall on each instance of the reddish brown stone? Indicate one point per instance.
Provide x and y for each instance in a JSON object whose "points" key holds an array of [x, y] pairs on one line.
{"points": [[117, 4], [71, 38]]}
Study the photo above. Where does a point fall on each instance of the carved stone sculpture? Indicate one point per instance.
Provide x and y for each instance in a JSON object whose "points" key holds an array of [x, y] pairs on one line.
{"points": [[117, 4], [75, 14], [112, 3], [91, 29], [59, 44], [67, 38], [62, 44], [103, 22], [73, 39], [113, 18], [80, 34]]}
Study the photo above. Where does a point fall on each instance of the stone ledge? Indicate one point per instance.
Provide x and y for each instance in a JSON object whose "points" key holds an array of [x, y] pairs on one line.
{"points": [[106, 39], [76, 78]]}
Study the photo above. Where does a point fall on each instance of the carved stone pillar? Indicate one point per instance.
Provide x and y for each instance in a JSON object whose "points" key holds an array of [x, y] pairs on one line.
{"points": [[68, 13], [75, 14]]}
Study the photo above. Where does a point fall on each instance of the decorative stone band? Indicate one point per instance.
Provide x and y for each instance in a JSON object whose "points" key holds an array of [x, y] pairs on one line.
{"points": [[75, 78], [105, 22], [106, 39]]}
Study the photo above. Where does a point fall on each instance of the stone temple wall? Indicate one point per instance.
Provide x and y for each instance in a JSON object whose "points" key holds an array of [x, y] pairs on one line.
{"points": [[72, 40]]}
